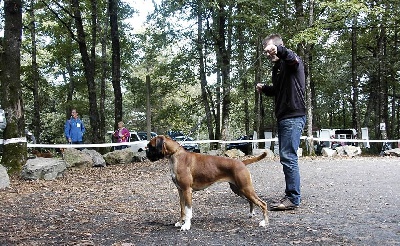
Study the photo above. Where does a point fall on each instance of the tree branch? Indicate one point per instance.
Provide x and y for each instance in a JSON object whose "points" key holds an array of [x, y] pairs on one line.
{"points": [[62, 21]]}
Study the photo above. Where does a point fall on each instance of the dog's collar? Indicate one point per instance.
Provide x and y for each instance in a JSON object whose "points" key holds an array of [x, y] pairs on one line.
{"points": [[176, 150]]}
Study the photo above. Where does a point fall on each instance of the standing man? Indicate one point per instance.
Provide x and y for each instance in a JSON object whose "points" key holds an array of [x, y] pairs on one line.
{"points": [[74, 129], [288, 89]]}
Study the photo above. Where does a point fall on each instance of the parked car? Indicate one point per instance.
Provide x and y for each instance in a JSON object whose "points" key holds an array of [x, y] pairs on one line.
{"points": [[140, 144], [143, 135], [174, 134], [245, 147], [192, 147]]}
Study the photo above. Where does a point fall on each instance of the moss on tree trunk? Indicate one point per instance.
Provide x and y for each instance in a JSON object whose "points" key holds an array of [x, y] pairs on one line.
{"points": [[15, 161]]}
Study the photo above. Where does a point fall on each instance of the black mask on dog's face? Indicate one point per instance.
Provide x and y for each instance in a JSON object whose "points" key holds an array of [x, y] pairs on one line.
{"points": [[155, 153]]}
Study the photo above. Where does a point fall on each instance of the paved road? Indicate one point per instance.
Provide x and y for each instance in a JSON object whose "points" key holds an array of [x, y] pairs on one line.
{"points": [[345, 202]]}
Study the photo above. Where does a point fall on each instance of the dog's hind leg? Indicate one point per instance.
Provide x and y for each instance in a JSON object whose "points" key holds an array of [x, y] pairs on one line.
{"points": [[236, 190], [250, 194], [251, 204]]}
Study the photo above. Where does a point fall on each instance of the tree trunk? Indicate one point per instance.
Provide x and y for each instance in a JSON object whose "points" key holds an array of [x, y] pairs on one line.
{"points": [[71, 84], [354, 80], [148, 107], [218, 106], [396, 99], [223, 52], [116, 61], [304, 50], [14, 150], [202, 72], [242, 71], [89, 70], [35, 74], [258, 109], [310, 93], [384, 107], [104, 69]]}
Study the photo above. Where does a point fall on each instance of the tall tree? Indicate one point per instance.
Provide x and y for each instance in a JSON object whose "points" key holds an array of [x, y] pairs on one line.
{"points": [[223, 48], [354, 78], [88, 63], [104, 69], [240, 27], [310, 93], [116, 61], [35, 72], [202, 70], [14, 151]]}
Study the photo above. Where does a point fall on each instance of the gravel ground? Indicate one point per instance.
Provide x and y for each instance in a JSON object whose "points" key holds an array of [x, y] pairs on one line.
{"points": [[345, 202]]}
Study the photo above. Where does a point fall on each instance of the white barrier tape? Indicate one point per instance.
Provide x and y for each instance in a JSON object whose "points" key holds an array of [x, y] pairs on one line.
{"points": [[353, 140], [15, 140], [64, 146]]}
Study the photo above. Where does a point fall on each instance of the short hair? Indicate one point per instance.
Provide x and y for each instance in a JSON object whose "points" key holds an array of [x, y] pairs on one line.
{"points": [[276, 38], [122, 123]]}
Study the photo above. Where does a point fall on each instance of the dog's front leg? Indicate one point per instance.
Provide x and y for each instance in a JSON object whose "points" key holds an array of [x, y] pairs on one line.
{"points": [[182, 205], [186, 210]]}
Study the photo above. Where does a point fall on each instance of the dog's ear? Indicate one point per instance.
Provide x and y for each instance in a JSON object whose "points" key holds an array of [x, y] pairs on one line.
{"points": [[159, 143]]}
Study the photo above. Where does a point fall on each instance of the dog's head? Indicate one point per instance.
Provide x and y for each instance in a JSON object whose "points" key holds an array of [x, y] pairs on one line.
{"points": [[155, 148]]}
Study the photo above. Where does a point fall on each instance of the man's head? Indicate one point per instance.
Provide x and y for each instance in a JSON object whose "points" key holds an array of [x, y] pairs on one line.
{"points": [[74, 113], [275, 38], [270, 41]]}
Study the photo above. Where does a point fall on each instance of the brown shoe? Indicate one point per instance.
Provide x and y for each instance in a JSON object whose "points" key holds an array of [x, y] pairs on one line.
{"points": [[283, 204]]}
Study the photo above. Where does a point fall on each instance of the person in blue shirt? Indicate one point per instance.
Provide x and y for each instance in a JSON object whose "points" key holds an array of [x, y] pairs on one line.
{"points": [[74, 129]]}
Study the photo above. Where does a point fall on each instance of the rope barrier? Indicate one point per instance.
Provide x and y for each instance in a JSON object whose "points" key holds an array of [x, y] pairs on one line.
{"points": [[66, 146], [206, 142]]}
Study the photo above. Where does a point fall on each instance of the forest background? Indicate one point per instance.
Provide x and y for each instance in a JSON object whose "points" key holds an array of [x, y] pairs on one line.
{"points": [[192, 67]]}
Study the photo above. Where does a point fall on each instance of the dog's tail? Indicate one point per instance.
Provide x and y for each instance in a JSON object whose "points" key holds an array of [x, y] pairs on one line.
{"points": [[255, 159]]}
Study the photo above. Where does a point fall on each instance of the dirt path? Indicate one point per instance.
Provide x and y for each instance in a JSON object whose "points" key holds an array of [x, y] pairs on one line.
{"points": [[345, 202]]}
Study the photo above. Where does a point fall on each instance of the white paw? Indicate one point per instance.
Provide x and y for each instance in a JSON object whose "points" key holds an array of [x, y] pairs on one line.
{"points": [[185, 227], [262, 223], [251, 214], [178, 224]]}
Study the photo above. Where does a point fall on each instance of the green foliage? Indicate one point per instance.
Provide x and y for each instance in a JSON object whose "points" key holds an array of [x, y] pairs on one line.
{"points": [[166, 50]]}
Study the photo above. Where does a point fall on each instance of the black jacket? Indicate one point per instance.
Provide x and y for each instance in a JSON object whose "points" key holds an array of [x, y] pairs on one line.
{"points": [[288, 85]]}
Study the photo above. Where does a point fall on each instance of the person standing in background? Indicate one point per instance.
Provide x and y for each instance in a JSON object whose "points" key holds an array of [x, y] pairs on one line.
{"points": [[122, 135], [74, 129]]}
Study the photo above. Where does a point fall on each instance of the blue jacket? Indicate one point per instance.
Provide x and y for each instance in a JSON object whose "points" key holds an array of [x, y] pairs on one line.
{"points": [[74, 129]]}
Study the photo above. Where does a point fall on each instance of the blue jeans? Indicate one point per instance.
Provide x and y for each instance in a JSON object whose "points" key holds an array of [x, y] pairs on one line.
{"points": [[289, 133], [77, 142]]}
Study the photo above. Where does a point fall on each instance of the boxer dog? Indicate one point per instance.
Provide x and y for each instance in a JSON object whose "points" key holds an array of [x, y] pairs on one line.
{"points": [[194, 171]]}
